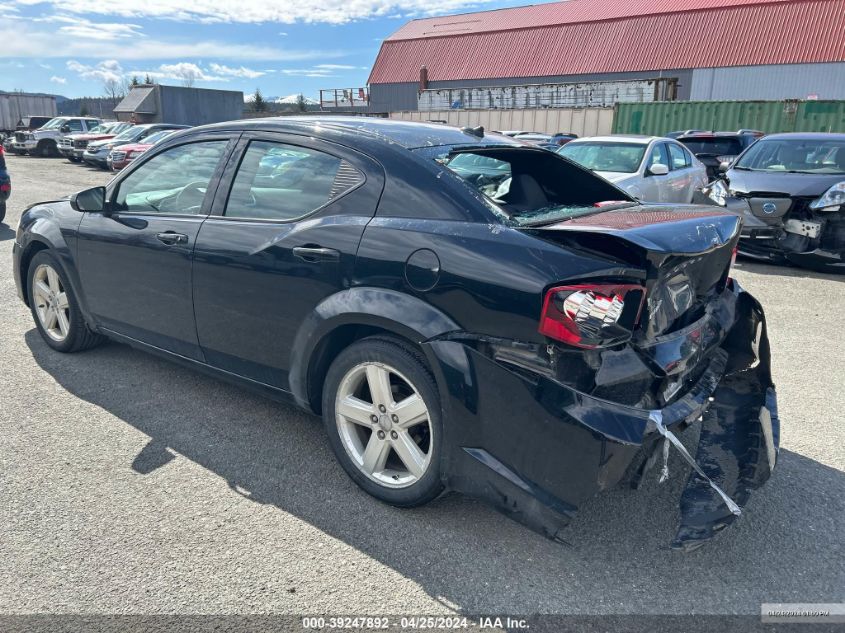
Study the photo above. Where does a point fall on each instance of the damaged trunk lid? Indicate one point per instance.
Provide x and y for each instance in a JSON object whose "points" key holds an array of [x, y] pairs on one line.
{"points": [[696, 325], [684, 254]]}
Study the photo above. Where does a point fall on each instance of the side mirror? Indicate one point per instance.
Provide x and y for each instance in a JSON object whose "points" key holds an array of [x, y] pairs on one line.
{"points": [[64, 129], [658, 169], [724, 166], [93, 199]]}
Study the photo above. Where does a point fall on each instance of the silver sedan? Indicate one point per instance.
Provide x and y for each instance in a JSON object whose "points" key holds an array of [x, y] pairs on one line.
{"points": [[649, 168]]}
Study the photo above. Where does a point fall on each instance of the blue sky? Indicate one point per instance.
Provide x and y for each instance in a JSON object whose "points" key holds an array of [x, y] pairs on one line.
{"points": [[72, 47]]}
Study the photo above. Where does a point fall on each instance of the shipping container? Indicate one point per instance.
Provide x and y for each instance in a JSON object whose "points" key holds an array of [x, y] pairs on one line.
{"points": [[580, 121], [16, 105], [767, 116]]}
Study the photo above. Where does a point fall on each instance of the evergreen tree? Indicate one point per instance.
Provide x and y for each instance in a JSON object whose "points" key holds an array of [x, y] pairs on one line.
{"points": [[258, 102]]}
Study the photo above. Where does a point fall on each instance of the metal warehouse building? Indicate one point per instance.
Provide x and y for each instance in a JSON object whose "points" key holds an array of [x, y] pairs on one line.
{"points": [[706, 49]]}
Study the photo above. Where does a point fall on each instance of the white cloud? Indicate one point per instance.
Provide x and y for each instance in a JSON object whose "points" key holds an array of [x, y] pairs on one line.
{"points": [[101, 31], [105, 71], [20, 39], [307, 72], [58, 80], [246, 73], [287, 12], [335, 67]]}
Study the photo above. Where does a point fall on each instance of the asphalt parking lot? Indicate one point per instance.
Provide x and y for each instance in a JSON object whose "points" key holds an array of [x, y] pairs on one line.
{"points": [[130, 485]]}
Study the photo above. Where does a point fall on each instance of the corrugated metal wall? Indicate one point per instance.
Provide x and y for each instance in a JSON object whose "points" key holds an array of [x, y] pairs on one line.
{"points": [[603, 94], [394, 97], [197, 106], [768, 116], [13, 106], [793, 81], [581, 121], [793, 32]]}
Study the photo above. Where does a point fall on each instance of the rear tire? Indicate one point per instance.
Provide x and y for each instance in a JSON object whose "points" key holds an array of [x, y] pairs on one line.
{"points": [[2, 211], [390, 442], [55, 307]]}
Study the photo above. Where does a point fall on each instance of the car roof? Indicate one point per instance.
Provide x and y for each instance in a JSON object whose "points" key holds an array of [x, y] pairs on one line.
{"points": [[638, 139], [407, 134], [807, 136], [714, 135]]}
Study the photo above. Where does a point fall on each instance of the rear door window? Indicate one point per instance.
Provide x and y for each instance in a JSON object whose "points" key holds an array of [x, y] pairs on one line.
{"points": [[276, 181]]}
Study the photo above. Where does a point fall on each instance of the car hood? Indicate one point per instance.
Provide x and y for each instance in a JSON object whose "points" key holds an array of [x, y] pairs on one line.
{"points": [[90, 137], [99, 144], [135, 147], [745, 183], [615, 176]]}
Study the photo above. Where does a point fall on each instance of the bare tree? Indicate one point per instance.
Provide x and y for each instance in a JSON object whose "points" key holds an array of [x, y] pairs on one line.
{"points": [[189, 81], [114, 90]]}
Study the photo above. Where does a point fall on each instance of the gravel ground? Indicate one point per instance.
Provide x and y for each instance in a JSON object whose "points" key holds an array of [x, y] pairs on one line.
{"points": [[131, 485]]}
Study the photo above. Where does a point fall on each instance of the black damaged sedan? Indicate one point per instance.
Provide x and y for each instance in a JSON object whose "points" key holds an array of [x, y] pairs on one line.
{"points": [[790, 191], [517, 329]]}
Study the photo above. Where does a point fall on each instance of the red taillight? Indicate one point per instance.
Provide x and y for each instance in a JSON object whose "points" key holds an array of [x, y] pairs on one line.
{"points": [[5, 187], [592, 315]]}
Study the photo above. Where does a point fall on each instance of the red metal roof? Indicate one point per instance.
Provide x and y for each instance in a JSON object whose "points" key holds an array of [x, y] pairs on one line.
{"points": [[591, 36]]}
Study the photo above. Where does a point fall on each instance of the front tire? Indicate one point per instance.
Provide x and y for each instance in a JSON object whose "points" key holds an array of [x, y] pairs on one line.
{"points": [[46, 148], [381, 411], [55, 308]]}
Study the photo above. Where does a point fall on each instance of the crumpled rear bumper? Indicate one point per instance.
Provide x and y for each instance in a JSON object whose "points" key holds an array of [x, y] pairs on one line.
{"points": [[537, 448]]}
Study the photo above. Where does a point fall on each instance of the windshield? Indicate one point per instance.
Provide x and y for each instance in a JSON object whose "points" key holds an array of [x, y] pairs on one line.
{"points": [[623, 158], [100, 129], [128, 135], [714, 146], [812, 156], [528, 186], [53, 124], [152, 139]]}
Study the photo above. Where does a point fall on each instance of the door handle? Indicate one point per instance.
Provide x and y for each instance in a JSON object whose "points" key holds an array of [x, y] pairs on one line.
{"points": [[170, 238], [316, 254]]}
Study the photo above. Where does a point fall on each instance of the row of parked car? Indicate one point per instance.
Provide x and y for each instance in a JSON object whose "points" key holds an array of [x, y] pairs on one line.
{"points": [[104, 144], [788, 188]]}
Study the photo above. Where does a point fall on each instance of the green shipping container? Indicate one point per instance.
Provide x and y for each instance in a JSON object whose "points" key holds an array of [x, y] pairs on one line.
{"points": [[769, 116]]}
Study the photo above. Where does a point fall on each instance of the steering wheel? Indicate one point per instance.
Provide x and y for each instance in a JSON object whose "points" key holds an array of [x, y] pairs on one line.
{"points": [[190, 198]]}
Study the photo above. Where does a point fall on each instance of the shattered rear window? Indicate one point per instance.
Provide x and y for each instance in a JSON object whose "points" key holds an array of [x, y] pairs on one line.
{"points": [[530, 186]]}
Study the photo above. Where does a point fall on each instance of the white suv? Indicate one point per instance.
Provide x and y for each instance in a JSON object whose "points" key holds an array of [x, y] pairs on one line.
{"points": [[45, 140]]}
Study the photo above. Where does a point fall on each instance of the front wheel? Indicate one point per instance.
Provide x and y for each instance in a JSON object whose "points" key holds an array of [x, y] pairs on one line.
{"points": [[46, 149], [381, 411], [55, 308]]}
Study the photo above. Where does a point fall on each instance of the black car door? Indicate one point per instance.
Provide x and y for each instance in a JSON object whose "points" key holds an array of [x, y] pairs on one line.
{"points": [[135, 259], [282, 236]]}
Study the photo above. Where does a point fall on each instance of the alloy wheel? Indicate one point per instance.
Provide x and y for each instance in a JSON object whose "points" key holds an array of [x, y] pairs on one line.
{"points": [[384, 425], [51, 302]]}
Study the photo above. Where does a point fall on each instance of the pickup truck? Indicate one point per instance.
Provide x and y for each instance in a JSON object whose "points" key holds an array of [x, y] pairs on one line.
{"points": [[45, 140], [73, 146]]}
